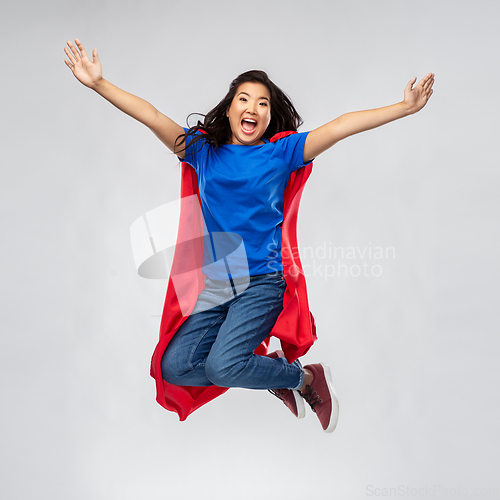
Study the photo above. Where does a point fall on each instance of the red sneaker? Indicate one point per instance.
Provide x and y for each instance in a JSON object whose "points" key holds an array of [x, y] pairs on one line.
{"points": [[321, 396], [291, 398]]}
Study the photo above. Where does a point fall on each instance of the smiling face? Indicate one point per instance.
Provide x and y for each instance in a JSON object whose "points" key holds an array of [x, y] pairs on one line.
{"points": [[249, 114]]}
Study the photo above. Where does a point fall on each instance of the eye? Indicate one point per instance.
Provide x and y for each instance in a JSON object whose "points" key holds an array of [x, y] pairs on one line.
{"points": [[263, 103], [242, 98]]}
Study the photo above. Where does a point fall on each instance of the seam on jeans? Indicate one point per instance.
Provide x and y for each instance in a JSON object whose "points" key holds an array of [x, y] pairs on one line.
{"points": [[190, 360], [279, 298]]}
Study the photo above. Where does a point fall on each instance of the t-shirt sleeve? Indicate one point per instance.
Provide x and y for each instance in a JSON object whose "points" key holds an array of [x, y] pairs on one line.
{"points": [[293, 150], [193, 152]]}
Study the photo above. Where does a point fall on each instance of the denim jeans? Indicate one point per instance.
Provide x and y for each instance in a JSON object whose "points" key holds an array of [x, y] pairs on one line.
{"points": [[215, 344]]}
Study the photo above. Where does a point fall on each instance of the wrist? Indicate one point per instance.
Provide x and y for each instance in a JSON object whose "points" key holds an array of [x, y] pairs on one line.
{"points": [[405, 108], [99, 84]]}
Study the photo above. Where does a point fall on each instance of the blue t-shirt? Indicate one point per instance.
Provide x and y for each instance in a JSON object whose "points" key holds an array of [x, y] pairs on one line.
{"points": [[242, 197]]}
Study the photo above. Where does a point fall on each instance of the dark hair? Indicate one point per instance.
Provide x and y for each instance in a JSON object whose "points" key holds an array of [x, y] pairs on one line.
{"points": [[216, 126]]}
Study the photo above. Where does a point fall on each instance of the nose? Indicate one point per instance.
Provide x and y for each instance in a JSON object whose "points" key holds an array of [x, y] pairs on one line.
{"points": [[252, 108]]}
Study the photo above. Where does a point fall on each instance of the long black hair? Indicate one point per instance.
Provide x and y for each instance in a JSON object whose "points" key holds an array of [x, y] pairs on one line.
{"points": [[216, 126]]}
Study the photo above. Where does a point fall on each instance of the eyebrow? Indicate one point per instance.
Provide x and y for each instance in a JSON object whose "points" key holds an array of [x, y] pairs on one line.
{"points": [[250, 96]]}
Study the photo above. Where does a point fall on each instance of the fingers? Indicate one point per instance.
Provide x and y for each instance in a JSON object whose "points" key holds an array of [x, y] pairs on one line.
{"points": [[427, 81], [427, 86], [74, 55], [424, 87], [409, 85], [69, 54], [80, 46], [427, 90]]}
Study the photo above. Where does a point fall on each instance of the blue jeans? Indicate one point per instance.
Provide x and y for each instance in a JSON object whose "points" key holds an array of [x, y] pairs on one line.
{"points": [[215, 344]]}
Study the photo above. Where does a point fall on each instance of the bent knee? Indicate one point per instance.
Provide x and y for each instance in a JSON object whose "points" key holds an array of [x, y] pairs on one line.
{"points": [[172, 368]]}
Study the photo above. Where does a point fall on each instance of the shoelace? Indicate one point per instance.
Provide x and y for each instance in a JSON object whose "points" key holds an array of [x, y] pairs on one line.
{"points": [[278, 393], [311, 397]]}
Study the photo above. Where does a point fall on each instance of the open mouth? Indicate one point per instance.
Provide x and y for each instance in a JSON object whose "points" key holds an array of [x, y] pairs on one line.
{"points": [[248, 126]]}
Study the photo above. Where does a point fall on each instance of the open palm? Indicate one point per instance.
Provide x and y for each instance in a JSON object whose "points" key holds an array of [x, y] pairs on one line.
{"points": [[416, 98], [86, 71]]}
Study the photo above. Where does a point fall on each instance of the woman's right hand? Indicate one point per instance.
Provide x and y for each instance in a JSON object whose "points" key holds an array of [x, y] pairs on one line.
{"points": [[86, 71]]}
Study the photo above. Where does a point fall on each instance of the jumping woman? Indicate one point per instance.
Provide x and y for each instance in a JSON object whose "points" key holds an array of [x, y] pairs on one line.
{"points": [[247, 164]]}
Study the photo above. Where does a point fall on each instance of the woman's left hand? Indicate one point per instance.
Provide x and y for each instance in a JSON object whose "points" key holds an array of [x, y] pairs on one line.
{"points": [[416, 98]]}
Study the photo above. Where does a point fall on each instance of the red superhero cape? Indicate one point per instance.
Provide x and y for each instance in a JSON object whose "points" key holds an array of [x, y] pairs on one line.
{"points": [[295, 326]]}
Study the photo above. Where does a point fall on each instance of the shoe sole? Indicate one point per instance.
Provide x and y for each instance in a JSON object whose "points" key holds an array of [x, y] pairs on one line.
{"points": [[334, 416], [299, 402]]}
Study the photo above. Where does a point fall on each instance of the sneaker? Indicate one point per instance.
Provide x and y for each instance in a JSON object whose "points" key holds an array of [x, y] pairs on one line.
{"points": [[291, 398], [321, 396]]}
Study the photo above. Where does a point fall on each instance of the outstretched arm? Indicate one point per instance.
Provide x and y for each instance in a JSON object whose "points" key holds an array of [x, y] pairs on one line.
{"points": [[89, 73], [323, 138]]}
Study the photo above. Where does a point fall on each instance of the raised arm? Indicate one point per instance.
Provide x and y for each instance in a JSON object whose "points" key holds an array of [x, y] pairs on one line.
{"points": [[89, 73], [323, 138]]}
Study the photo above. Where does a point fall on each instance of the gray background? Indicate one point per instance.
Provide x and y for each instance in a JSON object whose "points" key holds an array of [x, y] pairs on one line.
{"points": [[413, 352]]}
